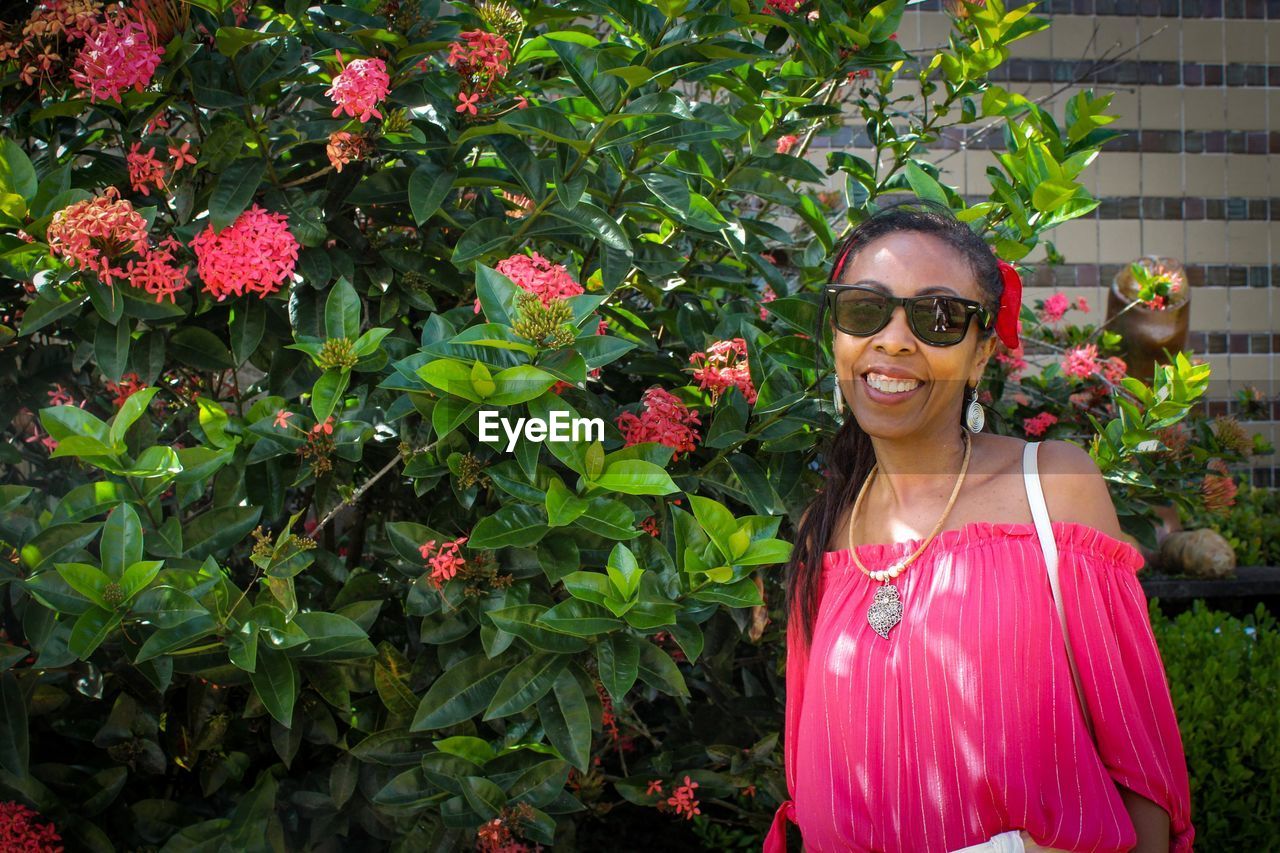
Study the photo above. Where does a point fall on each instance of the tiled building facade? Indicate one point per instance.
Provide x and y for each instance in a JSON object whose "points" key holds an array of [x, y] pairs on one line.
{"points": [[1196, 84]]}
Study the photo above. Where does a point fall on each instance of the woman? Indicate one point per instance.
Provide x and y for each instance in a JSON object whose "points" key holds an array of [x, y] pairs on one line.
{"points": [[930, 705]]}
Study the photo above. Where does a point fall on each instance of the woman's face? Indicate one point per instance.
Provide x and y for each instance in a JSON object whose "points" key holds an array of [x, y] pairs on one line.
{"points": [[908, 263]]}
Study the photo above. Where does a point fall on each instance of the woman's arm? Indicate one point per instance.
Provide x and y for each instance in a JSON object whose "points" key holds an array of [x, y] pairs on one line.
{"points": [[1076, 491], [1150, 820]]}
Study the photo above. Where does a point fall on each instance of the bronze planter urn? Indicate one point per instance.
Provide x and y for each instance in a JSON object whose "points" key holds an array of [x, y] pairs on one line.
{"points": [[1147, 332]]}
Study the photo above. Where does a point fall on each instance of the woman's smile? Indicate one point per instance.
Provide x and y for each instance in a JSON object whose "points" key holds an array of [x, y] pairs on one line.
{"points": [[887, 394]]}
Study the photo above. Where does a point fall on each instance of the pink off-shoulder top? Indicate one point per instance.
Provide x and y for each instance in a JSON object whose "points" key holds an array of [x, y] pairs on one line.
{"points": [[964, 722]]}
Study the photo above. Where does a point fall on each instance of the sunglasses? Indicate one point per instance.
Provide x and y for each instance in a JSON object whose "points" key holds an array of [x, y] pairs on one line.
{"points": [[936, 319]]}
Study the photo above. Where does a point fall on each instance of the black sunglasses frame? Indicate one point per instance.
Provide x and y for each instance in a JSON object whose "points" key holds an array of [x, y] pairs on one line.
{"points": [[831, 294]]}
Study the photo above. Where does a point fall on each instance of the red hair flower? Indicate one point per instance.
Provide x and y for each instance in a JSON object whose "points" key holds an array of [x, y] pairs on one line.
{"points": [[1010, 305]]}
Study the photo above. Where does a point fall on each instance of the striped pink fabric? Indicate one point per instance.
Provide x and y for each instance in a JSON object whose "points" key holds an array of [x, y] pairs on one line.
{"points": [[964, 723]]}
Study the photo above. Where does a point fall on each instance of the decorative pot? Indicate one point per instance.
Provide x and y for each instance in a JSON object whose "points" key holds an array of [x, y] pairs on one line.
{"points": [[1146, 333]]}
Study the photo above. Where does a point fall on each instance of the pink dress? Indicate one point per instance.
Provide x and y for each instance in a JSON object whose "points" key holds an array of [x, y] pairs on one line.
{"points": [[964, 722]]}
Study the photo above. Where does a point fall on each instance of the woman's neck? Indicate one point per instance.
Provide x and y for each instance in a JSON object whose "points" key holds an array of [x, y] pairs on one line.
{"points": [[917, 472]]}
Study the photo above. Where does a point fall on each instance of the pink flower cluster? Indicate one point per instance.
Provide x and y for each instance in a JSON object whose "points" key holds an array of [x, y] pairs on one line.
{"points": [[665, 420], [256, 253], [683, 800], [118, 54], [20, 831], [445, 562], [723, 365], [359, 87], [1055, 306], [479, 59], [1081, 362], [92, 233], [768, 296], [144, 169], [1037, 425], [788, 6], [539, 276], [786, 143], [156, 272]]}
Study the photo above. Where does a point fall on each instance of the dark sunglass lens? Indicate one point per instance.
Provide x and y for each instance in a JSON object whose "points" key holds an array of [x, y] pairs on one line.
{"points": [[940, 320], [858, 311]]}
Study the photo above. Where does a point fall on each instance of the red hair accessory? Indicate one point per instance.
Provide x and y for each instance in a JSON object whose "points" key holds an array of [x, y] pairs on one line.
{"points": [[1010, 305]]}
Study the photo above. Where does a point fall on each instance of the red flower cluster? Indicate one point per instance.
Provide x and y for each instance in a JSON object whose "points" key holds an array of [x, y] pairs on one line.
{"points": [[1219, 488], [665, 420], [93, 233], [19, 831], [539, 276], [479, 62], [144, 169], [446, 561], [118, 54], [156, 272], [358, 88], [786, 143], [722, 366], [1037, 425], [1081, 362], [256, 253], [787, 6], [683, 800]]}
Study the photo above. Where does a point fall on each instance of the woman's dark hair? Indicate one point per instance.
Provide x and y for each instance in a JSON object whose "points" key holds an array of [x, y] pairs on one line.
{"points": [[849, 455]]}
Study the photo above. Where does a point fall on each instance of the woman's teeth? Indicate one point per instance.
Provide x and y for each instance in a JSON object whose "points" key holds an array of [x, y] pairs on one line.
{"points": [[891, 386]]}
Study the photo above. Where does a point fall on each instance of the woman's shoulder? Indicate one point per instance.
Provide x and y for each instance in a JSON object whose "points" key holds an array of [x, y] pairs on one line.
{"points": [[1075, 490]]}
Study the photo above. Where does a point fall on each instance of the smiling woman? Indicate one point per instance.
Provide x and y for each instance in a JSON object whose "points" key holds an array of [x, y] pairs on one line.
{"points": [[930, 701]]}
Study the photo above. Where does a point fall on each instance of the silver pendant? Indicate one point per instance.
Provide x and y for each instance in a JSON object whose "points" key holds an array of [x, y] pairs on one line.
{"points": [[885, 610], [974, 416]]}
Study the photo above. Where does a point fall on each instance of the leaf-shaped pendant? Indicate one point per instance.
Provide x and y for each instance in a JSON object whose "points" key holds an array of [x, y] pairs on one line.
{"points": [[885, 610]]}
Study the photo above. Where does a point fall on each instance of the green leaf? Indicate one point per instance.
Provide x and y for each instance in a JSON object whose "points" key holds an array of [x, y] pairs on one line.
{"points": [[234, 189], [89, 581], [451, 376], [717, 521], [519, 384], [218, 529], [923, 184], [624, 571], [90, 629], [201, 349], [342, 311], [525, 684], [521, 620], [111, 348], [327, 393], [518, 525], [332, 638], [17, 175], [484, 797], [566, 719], [658, 670], [580, 618], [497, 295], [276, 681], [563, 506], [461, 692], [138, 577], [121, 544], [213, 422], [54, 540], [618, 658], [14, 745], [130, 411], [636, 477], [428, 186]]}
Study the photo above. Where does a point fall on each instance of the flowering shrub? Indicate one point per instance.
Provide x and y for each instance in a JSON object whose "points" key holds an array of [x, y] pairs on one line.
{"points": [[269, 580]]}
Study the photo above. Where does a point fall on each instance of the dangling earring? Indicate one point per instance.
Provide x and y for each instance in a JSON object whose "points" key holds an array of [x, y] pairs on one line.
{"points": [[974, 416], [838, 399]]}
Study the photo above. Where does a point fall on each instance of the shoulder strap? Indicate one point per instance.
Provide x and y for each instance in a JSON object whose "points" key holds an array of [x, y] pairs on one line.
{"points": [[1040, 514]]}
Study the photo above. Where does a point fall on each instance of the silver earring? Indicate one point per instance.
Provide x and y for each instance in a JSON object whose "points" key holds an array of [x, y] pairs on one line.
{"points": [[974, 416], [838, 399]]}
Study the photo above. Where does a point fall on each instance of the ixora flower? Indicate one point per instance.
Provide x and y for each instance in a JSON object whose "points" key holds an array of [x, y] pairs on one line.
{"points": [[118, 54], [20, 831], [722, 366], [539, 276], [257, 254], [91, 234], [665, 419], [359, 87]]}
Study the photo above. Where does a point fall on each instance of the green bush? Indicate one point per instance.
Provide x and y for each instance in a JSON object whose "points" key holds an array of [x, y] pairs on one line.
{"points": [[267, 581], [1224, 676]]}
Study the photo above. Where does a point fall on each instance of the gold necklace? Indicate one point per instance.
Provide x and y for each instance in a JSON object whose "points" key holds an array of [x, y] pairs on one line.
{"points": [[886, 606]]}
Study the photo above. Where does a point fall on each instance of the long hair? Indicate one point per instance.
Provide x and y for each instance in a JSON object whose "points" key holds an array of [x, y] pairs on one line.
{"points": [[849, 455]]}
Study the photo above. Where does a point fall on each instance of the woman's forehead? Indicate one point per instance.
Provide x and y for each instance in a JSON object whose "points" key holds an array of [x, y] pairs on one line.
{"points": [[907, 263]]}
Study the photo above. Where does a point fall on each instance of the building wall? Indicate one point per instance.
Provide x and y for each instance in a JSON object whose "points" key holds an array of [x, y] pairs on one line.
{"points": [[1196, 91]]}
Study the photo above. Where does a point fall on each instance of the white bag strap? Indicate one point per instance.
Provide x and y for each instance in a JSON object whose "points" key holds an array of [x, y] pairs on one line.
{"points": [[1040, 514]]}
